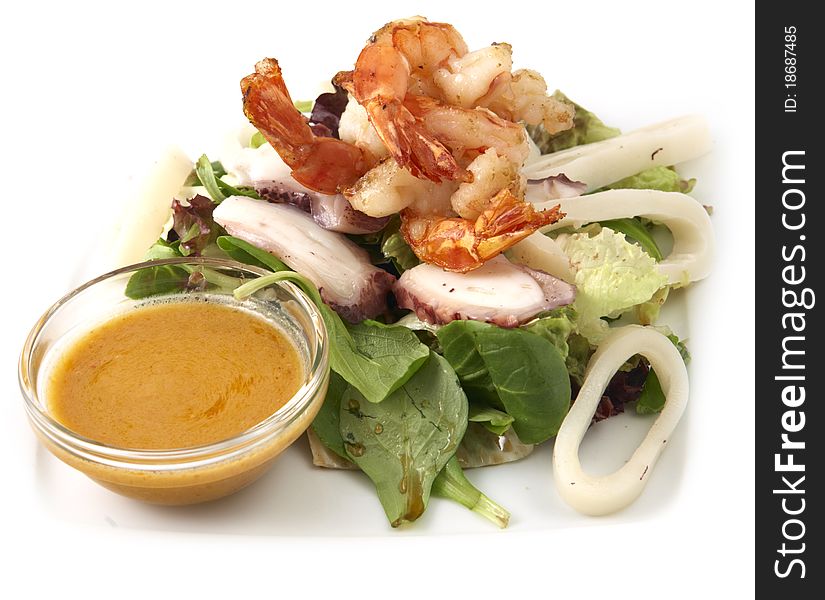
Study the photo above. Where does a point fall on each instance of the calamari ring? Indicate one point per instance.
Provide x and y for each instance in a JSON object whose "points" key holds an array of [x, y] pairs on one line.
{"points": [[607, 494]]}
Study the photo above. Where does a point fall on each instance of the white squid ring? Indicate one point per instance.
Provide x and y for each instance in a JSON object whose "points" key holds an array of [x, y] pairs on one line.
{"points": [[604, 495]]}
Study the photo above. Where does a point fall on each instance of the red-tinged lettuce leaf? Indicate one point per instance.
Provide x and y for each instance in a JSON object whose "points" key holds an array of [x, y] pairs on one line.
{"points": [[193, 225], [624, 387], [327, 111]]}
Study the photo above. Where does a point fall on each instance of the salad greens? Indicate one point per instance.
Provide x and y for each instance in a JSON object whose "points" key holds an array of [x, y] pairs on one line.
{"points": [[410, 402], [376, 359], [452, 484], [611, 276], [244, 252], [512, 370], [665, 179], [403, 442], [494, 420], [193, 225], [633, 229], [155, 281]]}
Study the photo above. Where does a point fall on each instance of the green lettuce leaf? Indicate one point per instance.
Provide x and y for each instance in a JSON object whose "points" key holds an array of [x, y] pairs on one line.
{"points": [[665, 179], [587, 128], [556, 327], [633, 228], [611, 276]]}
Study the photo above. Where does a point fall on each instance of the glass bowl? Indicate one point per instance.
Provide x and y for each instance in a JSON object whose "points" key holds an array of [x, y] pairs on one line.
{"points": [[177, 475]]}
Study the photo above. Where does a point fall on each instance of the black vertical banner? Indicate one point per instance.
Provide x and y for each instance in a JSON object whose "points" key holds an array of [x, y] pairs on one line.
{"points": [[790, 236]]}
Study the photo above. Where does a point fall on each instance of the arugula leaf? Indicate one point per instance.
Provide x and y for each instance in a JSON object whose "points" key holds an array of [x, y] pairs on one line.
{"points": [[216, 187], [632, 228], [155, 281], [587, 128], [376, 359], [327, 423], [193, 179], [492, 419], [208, 178], [452, 484], [248, 254], [404, 442], [512, 370]]}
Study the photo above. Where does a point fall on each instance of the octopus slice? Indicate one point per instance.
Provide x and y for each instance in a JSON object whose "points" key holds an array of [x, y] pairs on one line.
{"points": [[334, 213], [499, 292], [264, 170], [348, 282]]}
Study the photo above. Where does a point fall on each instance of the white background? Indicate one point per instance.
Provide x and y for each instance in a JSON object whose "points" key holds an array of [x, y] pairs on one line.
{"points": [[90, 93]]}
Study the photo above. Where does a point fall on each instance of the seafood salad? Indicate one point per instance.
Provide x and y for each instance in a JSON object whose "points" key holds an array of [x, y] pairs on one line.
{"points": [[489, 258]]}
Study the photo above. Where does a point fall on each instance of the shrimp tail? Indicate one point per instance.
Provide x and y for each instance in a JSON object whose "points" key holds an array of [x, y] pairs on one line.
{"points": [[411, 144], [323, 164], [462, 245]]}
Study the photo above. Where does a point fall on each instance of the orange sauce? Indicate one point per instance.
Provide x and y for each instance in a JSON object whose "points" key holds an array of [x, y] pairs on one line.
{"points": [[173, 375]]}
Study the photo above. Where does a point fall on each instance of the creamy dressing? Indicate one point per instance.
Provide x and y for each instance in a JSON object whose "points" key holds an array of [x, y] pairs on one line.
{"points": [[173, 375]]}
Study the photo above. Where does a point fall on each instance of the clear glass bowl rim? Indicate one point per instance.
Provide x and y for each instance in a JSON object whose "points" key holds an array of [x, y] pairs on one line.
{"points": [[190, 457]]}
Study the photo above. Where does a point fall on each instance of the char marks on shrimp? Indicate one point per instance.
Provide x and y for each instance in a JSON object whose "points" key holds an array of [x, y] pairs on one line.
{"points": [[450, 121]]}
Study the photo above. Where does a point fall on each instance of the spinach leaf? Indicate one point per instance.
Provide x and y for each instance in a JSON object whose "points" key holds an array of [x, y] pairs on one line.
{"points": [[492, 419], [248, 254], [327, 422], [376, 359], [458, 346], [403, 443], [452, 484], [652, 398], [632, 227], [531, 379], [513, 370]]}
